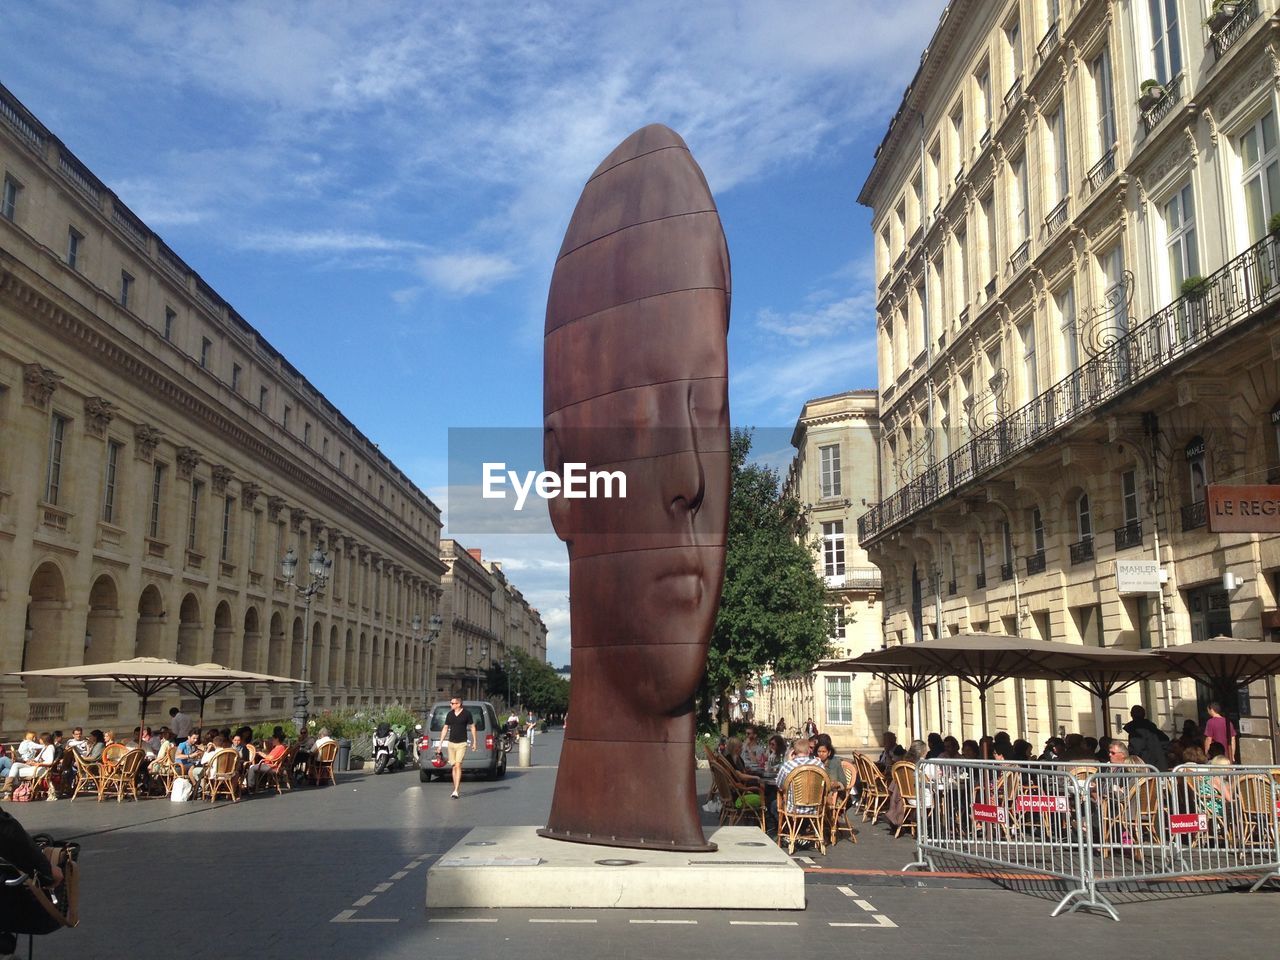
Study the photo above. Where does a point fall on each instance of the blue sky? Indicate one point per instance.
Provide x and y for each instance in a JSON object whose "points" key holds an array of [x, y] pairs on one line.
{"points": [[381, 188]]}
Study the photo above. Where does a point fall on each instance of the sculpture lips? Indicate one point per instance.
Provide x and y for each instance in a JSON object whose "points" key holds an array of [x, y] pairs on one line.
{"points": [[682, 588]]}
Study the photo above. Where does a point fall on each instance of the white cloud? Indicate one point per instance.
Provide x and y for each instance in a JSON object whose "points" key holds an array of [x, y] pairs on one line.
{"points": [[778, 387], [322, 241], [462, 274]]}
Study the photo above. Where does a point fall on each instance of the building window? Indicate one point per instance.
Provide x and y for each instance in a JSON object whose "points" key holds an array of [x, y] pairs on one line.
{"points": [[837, 624], [288, 418], [1037, 530], [324, 447], [1129, 496], [205, 346], [833, 549], [74, 240], [126, 288], [1113, 287], [1261, 162], [830, 479], [1020, 201], [957, 139], [1059, 174], [1066, 305], [1030, 381], [9, 199], [306, 434], [228, 515], [1006, 541], [263, 393], [109, 482], [157, 488], [342, 461], [382, 492], [984, 97], [1084, 519], [1104, 103], [1197, 475], [989, 223], [1275, 430], [255, 524], [839, 700], [1013, 43], [1166, 50], [53, 475], [1180, 227], [193, 514], [170, 315], [235, 377]]}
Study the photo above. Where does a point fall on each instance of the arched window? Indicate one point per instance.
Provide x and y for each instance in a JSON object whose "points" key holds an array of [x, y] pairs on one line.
{"points": [[1084, 519]]}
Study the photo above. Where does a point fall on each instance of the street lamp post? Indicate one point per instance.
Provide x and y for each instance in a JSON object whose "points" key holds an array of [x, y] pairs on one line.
{"points": [[318, 566], [433, 634]]}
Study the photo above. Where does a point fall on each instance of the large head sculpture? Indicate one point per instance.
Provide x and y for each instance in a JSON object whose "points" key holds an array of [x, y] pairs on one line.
{"points": [[636, 381]]}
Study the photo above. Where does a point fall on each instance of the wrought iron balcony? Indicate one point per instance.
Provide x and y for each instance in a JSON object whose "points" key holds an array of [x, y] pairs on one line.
{"points": [[1130, 535], [1013, 95], [1006, 571], [1082, 551], [1231, 295], [984, 139], [964, 317], [1194, 515], [1101, 170], [1234, 28], [1035, 562], [1048, 43], [1152, 116], [1018, 259], [1056, 218], [982, 580]]}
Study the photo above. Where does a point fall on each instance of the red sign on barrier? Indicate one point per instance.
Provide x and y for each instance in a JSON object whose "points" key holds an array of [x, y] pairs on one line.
{"points": [[1040, 803], [988, 813], [1188, 823]]}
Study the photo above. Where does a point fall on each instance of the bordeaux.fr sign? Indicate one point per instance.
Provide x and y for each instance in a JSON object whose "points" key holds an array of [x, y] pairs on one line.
{"points": [[1243, 509]]}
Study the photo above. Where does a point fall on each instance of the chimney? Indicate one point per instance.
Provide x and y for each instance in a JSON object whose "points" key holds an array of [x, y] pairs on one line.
{"points": [[475, 553]]}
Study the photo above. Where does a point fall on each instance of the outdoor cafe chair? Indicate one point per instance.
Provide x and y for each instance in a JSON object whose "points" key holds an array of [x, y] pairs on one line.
{"points": [[88, 776], [112, 754], [123, 777], [739, 800], [322, 764], [280, 775], [843, 811], [1258, 797], [875, 789], [802, 807], [222, 775], [1130, 814], [904, 778]]}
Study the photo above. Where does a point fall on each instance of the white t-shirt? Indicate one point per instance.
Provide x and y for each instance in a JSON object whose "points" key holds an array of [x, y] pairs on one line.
{"points": [[28, 750], [181, 725], [79, 746]]}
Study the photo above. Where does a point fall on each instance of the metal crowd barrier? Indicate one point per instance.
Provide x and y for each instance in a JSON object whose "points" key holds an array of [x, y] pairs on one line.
{"points": [[1095, 826]]}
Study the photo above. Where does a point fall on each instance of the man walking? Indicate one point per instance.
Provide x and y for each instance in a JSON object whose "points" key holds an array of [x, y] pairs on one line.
{"points": [[460, 735], [1221, 731]]}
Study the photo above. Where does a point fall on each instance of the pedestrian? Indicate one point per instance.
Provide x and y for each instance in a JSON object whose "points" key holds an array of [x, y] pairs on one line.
{"points": [[180, 723], [1220, 730], [532, 725], [460, 735]]}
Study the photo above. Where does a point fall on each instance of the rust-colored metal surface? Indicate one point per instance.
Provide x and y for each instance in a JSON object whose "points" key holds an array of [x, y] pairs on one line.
{"points": [[636, 381]]}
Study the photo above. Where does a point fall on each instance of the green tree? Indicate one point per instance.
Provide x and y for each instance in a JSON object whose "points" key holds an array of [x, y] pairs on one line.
{"points": [[772, 609], [539, 686]]}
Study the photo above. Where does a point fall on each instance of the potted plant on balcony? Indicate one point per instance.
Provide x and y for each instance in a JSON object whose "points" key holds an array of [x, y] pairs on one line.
{"points": [[1194, 288], [1273, 225], [1222, 13], [1150, 93]]}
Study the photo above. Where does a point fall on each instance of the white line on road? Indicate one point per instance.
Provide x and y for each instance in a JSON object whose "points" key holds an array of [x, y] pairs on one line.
{"points": [[382, 888], [553, 920], [400, 875], [692, 923], [865, 906], [462, 920], [763, 923], [363, 901], [880, 918], [807, 861]]}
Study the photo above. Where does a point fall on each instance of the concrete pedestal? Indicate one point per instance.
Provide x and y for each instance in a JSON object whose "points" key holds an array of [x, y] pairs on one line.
{"points": [[524, 752], [514, 867]]}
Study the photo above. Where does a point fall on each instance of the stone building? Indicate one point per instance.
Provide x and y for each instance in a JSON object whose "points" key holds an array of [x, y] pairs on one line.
{"points": [[834, 474], [485, 617], [158, 457], [1077, 292]]}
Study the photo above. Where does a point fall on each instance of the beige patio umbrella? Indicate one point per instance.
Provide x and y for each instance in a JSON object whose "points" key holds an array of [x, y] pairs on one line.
{"points": [[147, 676], [1223, 663]]}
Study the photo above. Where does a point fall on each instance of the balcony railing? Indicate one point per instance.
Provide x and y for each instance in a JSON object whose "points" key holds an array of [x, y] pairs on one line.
{"points": [[1101, 170], [1082, 551], [1194, 515], [1035, 562], [1130, 535], [1013, 95], [21, 121], [1006, 571], [1230, 295], [964, 317], [1234, 29], [1056, 218], [1152, 116], [1048, 43], [1018, 259], [855, 578]]}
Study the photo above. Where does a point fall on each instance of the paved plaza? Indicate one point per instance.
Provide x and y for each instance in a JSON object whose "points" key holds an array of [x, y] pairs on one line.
{"points": [[340, 872]]}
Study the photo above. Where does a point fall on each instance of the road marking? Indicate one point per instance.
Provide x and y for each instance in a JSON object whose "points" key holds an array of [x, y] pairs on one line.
{"points": [[363, 901], [865, 906], [462, 920], [400, 875], [553, 920], [691, 923], [880, 918], [763, 923], [807, 861], [382, 888]]}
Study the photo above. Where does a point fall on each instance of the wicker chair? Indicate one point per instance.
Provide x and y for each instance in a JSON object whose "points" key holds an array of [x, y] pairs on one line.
{"points": [[279, 775], [875, 789], [88, 776], [112, 755], [162, 769], [802, 807], [1258, 796], [323, 762], [842, 812], [904, 778], [222, 775], [734, 793], [123, 777]]}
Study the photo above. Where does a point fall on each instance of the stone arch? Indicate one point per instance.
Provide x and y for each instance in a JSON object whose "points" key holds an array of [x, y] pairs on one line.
{"points": [[148, 636], [189, 630], [276, 647], [251, 646], [222, 633], [102, 627], [45, 640]]}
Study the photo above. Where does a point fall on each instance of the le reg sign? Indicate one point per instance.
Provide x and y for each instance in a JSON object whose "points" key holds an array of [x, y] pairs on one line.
{"points": [[1253, 508]]}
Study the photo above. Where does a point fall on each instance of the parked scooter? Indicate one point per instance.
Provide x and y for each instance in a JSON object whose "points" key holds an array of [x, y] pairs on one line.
{"points": [[390, 750]]}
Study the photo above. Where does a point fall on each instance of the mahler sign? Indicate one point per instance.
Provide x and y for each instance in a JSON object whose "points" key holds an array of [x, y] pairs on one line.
{"points": [[1243, 509]]}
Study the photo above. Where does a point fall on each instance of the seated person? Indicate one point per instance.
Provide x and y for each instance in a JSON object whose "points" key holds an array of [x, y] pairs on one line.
{"points": [[42, 762], [254, 772], [754, 752], [29, 748], [188, 753], [214, 746], [313, 771], [800, 757]]}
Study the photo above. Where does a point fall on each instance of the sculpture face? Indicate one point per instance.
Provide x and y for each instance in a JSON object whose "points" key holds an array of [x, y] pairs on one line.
{"points": [[636, 380]]}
